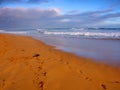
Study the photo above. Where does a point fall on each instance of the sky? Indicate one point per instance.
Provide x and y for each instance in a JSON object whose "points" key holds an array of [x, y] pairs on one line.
{"points": [[59, 13]]}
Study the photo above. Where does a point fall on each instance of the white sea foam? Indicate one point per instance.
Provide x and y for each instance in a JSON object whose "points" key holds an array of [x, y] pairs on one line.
{"points": [[91, 34], [17, 32], [1, 30], [13, 32]]}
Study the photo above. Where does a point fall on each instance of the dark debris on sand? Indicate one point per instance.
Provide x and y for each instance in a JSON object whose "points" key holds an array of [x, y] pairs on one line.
{"points": [[103, 86], [36, 55]]}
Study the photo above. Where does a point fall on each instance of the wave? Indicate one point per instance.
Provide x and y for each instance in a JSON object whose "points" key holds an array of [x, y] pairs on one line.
{"points": [[88, 34], [115, 34], [13, 32]]}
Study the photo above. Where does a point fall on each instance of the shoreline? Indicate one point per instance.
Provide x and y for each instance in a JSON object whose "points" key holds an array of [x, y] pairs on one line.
{"points": [[29, 64], [98, 50]]}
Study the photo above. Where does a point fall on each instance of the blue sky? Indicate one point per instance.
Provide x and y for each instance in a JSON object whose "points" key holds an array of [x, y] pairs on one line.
{"points": [[59, 13], [82, 5], [69, 5]]}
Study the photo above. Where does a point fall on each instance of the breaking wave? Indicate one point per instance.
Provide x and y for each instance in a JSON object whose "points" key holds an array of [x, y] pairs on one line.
{"points": [[86, 34], [13, 32]]}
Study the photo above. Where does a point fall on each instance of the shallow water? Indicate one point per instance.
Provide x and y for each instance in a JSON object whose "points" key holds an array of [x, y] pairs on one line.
{"points": [[101, 50]]}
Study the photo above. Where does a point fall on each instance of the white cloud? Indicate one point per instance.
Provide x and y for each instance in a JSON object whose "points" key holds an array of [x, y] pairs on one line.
{"points": [[38, 17], [65, 20]]}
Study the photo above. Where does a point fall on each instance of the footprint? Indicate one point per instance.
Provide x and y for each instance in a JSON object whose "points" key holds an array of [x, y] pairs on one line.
{"points": [[87, 78], [3, 84], [67, 63], [23, 50], [39, 68], [41, 84], [80, 71], [61, 60], [42, 62], [116, 82], [44, 73], [13, 82], [37, 78], [103, 86]]}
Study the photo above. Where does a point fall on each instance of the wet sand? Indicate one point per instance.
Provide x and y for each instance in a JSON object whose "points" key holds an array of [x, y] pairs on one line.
{"points": [[28, 64]]}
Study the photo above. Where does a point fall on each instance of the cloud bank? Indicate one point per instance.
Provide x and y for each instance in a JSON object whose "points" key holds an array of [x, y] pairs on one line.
{"points": [[37, 17]]}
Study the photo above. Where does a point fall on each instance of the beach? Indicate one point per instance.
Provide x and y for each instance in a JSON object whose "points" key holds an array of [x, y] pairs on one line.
{"points": [[29, 64]]}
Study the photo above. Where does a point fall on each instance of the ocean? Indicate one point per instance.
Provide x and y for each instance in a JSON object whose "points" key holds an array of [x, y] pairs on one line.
{"points": [[99, 44]]}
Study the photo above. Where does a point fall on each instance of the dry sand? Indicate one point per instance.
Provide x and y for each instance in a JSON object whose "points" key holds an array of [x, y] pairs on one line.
{"points": [[28, 64]]}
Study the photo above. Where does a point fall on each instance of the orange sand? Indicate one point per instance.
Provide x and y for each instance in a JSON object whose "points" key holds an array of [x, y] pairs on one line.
{"points": [[28, 64]]}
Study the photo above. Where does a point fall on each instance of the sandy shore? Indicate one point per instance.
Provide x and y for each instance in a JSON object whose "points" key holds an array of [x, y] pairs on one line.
{"points": [[28, 64]]}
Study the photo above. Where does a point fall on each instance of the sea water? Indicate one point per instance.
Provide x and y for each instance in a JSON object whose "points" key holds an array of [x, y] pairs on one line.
{"points": [[100, 44]]}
